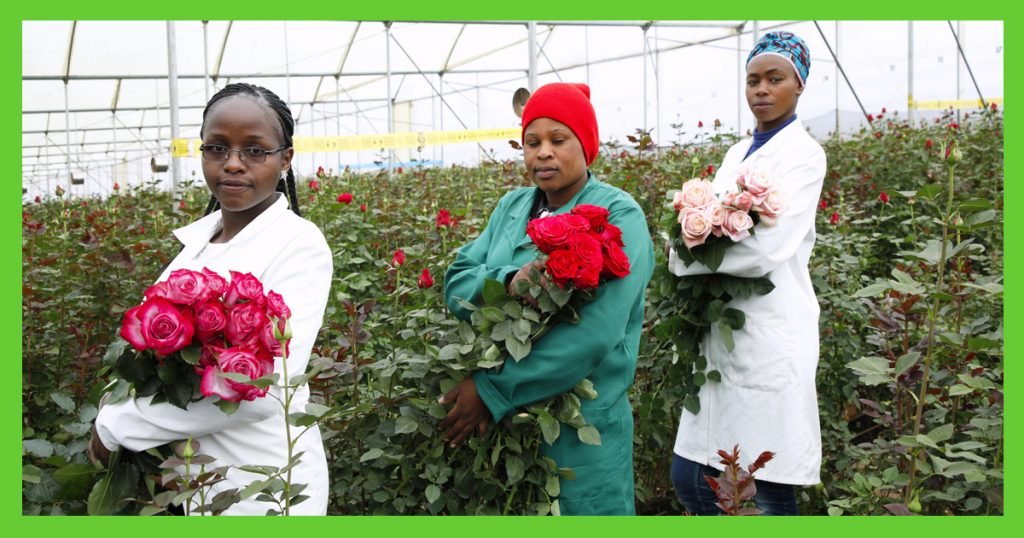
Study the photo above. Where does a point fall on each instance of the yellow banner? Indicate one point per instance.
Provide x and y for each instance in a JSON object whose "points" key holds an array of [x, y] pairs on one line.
{"points": [[329, 144], [957, 104]]}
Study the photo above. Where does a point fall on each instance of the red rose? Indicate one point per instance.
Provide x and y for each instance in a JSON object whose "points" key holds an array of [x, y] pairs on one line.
{"points": [[398, 258], [345, 198], [883, 197], [425, 280], [580, 264], [834, 219], [700, 124], [711, 169], [181, 204], [314, 185], [319, 173], [443, 219], [928, 144], [38, 199], [883, 110], [553, 232], [158, 325], [994, 107], [276, 306], [237, 360], [597, 216], [244, 287], [244, 323], [116, 186], [399, 169], [871, 118], [362, 207], [186, 287], [823, 204], [210, 320], [610, 235], [616, 263]]}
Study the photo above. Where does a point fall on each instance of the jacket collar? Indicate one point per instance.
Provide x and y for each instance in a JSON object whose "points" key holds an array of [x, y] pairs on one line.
{"points": [[200, 231]]}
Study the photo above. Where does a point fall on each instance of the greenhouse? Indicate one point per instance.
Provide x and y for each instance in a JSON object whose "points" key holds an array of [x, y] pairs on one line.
{"points": [[480, 288]]}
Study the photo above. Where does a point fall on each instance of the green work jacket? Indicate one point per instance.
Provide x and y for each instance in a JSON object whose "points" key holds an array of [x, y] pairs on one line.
{"points": [[602, 347]]}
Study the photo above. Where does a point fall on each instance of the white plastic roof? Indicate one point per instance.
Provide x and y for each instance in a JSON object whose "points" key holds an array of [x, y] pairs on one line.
{"points": [[447, 76]]}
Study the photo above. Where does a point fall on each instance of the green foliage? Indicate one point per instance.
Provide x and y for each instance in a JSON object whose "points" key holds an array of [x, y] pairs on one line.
{"points": [[388, 349]]}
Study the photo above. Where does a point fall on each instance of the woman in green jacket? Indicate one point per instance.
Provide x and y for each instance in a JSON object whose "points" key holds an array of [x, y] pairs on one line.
{"points": [[560, 141]]}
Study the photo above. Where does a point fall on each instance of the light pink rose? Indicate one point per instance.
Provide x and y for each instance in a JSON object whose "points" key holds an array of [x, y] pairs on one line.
{"points": [[237, 360], [743, 201], [770, 209], [717, 213], [677, 201], [696, 225], [159, 325], [737, 225], [757, 184], [697, 193]]}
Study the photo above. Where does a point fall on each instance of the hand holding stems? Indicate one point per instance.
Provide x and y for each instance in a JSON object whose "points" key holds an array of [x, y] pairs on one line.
{"points": [[524, 274], [468, 414]]}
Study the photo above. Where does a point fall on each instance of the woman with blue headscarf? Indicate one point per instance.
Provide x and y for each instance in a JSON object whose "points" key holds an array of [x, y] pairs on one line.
{"points": [[766, 400]]}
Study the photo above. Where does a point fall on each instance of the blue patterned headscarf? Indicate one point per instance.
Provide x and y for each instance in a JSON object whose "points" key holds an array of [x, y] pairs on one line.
{"points": [[788, 46]]}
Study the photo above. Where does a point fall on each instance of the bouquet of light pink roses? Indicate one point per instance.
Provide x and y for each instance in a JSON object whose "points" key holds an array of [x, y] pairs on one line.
{"points": [[708, 225], [197, 335]]}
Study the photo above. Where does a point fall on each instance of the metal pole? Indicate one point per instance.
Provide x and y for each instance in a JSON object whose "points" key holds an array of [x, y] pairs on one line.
{"points": [[757, 31], [479, 112], [440, 118], [910, 71], [172, 81], [113, 151], [206, 63], [739, 82], [657, 91], [836, 75], [643, 101], [287, 68], [532, 50], [67, 135], [391, 101], [586, 50], [337, 112]]}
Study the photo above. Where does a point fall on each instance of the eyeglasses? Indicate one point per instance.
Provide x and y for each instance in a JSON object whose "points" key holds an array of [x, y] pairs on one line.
{"points": [[251, 154]]}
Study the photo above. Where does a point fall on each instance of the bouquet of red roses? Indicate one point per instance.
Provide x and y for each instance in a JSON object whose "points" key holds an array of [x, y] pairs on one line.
{"points": [[197, 335], [579, 250]]}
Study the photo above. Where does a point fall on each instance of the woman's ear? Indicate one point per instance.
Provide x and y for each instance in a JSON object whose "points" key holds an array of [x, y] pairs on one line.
{"points": [[800, 90], [286, 159]]}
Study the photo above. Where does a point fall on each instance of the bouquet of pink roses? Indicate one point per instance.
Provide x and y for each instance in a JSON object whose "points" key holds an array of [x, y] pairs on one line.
{"points": [[708, 225], [197, 335]]}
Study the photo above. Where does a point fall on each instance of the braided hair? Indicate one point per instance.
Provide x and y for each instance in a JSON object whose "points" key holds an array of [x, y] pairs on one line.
{"points": [[284, 114]]}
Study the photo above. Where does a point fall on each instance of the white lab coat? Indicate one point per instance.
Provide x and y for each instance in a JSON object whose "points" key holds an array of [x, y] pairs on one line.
{"points": [[766, 399], [290, 256]]}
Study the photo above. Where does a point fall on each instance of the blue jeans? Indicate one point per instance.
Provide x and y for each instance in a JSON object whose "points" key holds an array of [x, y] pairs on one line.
{"points": [[699, 499]]}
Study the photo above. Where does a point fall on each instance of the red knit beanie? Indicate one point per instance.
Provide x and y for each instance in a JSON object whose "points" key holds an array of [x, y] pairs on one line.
{"points": [[569, 104]]}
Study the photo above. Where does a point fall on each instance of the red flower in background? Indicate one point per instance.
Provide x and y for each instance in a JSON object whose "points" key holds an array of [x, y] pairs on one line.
{"points": [[928, 144], [398, 258], [443, 219], [362, 207], [711, 169], [834, 219], [883, 197], [181, 204], [994, 107], [117, 187], [823, 204], [700, 125], [345, 198], [871, 118], [954, 126], [425, 280], [400, 170], [38, 199], [319, 173], [314, 185]]}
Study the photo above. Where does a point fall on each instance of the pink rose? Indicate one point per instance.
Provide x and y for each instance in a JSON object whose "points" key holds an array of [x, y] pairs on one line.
{"points": [[743, 201], [737, 225], [717, 214], [276, 306], [216, 285], [244, 287], [770, 209], [244, 323], [159, 289], [210, 320], [696, 225], [236, 360], [270, 344], [157, 325], [186, 287], [697, 193], [757, 184]]}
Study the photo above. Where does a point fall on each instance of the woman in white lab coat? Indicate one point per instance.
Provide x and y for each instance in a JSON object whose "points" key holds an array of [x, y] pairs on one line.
{"points": [[247, 149], [766, 400]]}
